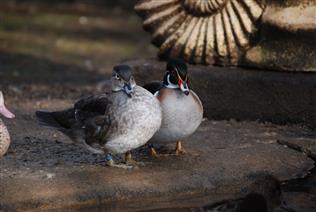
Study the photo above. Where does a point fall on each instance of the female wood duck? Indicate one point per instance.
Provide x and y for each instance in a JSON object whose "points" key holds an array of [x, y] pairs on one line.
{"points": [[4, 134], [182, 110], [110, 123]]}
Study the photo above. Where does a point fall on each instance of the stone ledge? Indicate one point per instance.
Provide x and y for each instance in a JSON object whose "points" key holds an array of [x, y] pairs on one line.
{"points": [[292, 19]]}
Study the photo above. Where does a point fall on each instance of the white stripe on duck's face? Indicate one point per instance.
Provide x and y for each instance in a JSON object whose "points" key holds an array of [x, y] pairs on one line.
{"points": [[3, 110], [169, 84]]}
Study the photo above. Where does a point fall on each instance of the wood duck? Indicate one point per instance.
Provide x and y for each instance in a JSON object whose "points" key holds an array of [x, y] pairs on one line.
{"points": [[4, 134], [182, 110], [110, 123], [264, 196]]}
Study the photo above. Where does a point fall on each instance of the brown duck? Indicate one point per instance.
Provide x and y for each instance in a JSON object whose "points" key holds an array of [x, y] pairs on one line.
{"points": [[110, 123]]}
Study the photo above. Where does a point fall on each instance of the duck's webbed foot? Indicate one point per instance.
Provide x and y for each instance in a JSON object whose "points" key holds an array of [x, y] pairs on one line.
{"points": [[110, 162], [162, 152], [179, 149], [152, 151], [130, 161]]}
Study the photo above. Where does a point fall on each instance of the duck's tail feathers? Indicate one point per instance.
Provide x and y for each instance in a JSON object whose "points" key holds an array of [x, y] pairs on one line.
{"points": [[93, 149], [54, 119], [47, 119]]}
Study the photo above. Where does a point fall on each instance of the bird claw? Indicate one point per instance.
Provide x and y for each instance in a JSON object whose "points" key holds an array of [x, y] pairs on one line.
{"points": [[110, 162], [130, 161], [153, 153], [179, 149], [181, 152]]}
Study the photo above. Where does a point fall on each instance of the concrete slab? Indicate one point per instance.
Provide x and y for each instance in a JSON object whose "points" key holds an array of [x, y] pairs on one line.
{"points": [[39, 172]]}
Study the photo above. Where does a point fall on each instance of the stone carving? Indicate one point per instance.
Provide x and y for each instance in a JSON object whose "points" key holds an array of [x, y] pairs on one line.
{"points": [[201, 31], [287, 37]]}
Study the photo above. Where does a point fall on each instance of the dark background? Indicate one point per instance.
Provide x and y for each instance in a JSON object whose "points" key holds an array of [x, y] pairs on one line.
{"points": [[48, 45]]}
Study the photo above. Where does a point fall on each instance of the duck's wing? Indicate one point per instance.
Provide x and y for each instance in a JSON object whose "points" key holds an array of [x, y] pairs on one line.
{"points": [[83, 110], [88, 111], [86, 123], [92, 113], [153, 87], [64, 119], [95, 105]]}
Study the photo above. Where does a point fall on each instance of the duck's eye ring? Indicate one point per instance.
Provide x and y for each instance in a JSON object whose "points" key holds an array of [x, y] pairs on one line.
{"points": [[117, 77]]}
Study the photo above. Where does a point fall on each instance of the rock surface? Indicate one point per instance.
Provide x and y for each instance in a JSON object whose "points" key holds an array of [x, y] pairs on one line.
{"points": [[287, 38], [39, 172]]}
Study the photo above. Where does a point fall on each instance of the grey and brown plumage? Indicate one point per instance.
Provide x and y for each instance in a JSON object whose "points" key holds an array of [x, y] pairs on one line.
{"points": [[113, 123], [202, 31], [264, 195], [182, 110], [4, 134]]}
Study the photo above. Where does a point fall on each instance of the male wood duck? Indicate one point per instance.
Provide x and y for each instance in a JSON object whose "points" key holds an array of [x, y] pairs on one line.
{"points": [[4, 134], [110, 123], [264, 195], [182, 110]]}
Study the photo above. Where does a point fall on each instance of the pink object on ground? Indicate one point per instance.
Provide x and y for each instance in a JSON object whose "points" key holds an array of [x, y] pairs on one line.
{"points": [[3, 110]]}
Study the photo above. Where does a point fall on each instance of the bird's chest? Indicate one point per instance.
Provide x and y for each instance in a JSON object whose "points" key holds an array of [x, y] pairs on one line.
{"points": [[134, 121], [179, 109], [130, 112], [135, 117]]}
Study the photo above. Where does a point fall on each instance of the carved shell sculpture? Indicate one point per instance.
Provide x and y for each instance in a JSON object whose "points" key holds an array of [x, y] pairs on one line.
{"points": [[201, 31]]}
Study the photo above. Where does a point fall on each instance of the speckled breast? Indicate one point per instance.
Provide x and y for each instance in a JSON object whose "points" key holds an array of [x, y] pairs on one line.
{"points": [[135, 121]]}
